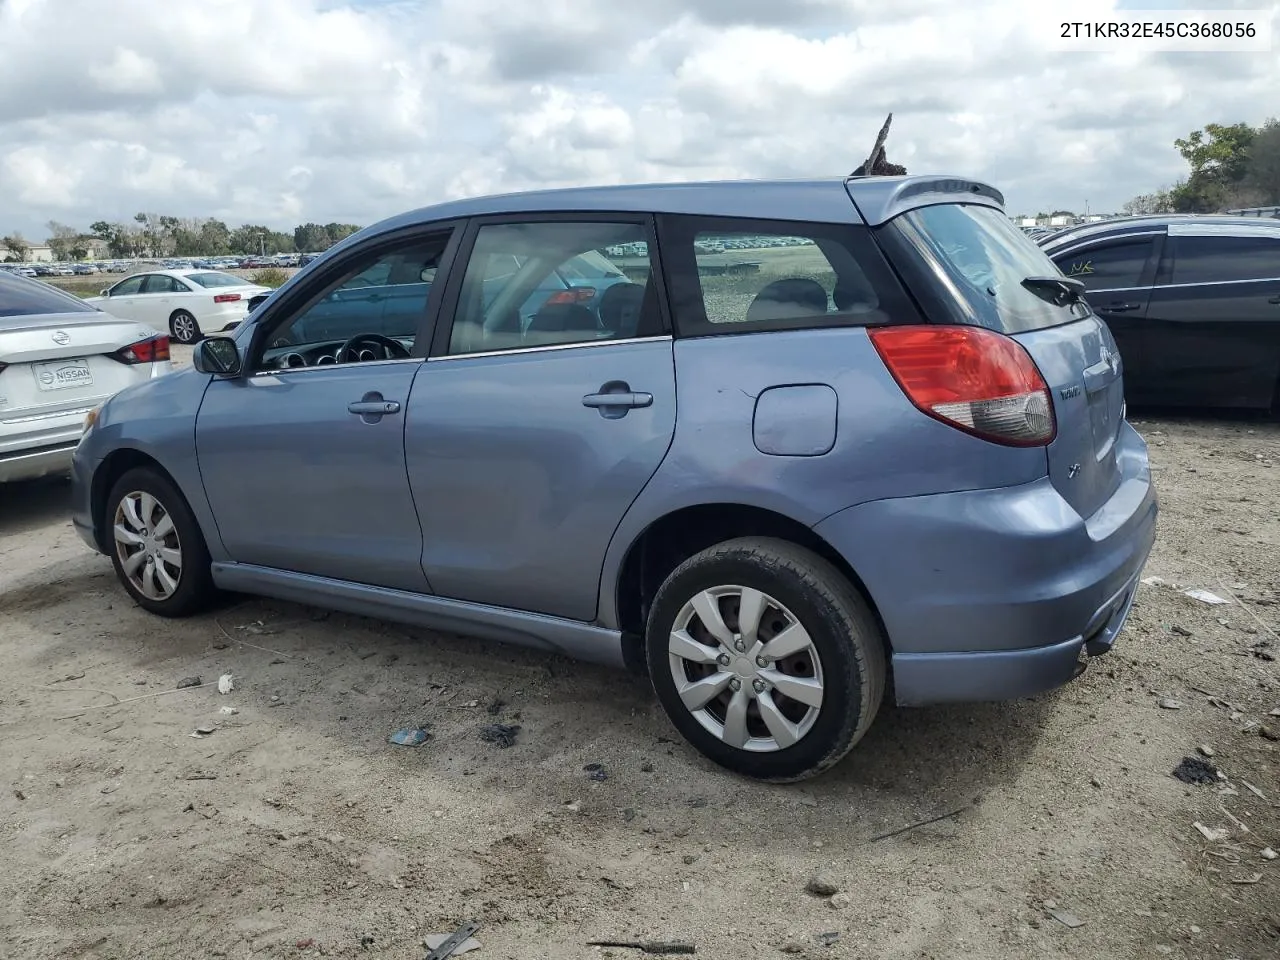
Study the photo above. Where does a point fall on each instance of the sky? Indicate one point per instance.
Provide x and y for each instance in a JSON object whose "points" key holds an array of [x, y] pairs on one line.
{"points": [[286, 111]]}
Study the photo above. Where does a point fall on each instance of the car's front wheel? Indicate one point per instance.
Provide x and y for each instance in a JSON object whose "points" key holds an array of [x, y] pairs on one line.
{"points": [[157, 549], [183, 327], [766, 658]]}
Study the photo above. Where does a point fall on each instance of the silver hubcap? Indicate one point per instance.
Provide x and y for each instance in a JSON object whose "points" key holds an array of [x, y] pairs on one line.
{"points": [[746, 668], [148, 546], [184, 327]]}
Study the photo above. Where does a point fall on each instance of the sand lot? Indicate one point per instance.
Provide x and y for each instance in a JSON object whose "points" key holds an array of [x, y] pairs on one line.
{"points": [[295, 829]]}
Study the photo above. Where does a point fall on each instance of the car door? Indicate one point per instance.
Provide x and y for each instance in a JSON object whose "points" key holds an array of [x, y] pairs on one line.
{"points": [[526, 442], [122, 299], [155, 301], [302, 457], [1217, 302], [1118, 273]]}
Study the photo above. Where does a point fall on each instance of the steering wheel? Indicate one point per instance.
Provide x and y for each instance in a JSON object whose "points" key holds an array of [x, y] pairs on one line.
{"points": [[393, 348]]}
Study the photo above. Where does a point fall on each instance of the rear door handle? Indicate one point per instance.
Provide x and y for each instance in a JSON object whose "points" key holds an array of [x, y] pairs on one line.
{"points": [[628, 400], [1120, 307], [1275, 300]]}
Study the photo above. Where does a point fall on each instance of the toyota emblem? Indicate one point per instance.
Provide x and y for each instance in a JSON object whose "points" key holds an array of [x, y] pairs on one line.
{"points": [[62, 338]]}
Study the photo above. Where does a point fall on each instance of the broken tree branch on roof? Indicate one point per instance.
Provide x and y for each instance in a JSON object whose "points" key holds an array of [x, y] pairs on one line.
{"points": [[876, 165]]}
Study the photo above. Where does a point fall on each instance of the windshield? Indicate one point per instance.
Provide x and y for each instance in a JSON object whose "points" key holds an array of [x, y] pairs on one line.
{"points": [[216, 280], [20, 297], [983, 259]]}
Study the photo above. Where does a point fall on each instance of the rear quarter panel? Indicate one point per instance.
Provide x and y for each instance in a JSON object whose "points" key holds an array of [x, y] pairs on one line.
{"points": [[883, 446]]}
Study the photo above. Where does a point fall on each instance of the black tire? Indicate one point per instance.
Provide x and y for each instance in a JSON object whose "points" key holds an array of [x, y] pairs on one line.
{"points": [[195, 590], [843, 631], [184, 328]]}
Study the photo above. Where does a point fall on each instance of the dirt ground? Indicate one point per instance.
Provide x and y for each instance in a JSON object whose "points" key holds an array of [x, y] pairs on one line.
{"points": [[295, 829]]}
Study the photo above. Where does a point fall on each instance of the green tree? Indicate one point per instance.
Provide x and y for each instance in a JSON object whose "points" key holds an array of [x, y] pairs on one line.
{"points": [[215, 238], [66, 242], [310, 237], [1262, 169], [337, 232], [1218, 157], [1159, 202], [17, 247]]}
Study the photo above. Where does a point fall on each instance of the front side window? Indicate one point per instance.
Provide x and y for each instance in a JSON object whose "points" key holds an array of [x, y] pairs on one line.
{"points": [[375, 308], [127, 288], [737, 276], [1108, 266], [1221, 259], [554, 283]]}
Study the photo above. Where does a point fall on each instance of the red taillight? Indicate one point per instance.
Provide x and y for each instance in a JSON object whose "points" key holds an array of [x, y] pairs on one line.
{"points": [[150, 350], [226, 297], [572, 295], [970, 378]]}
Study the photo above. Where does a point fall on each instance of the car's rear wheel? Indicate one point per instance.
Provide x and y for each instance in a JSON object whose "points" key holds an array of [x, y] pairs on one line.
{"points": [[766, 658], [157, 549], [183, 327]]}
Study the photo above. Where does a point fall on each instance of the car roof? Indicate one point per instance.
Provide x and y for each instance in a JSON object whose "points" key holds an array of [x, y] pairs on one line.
{"points": [[818, 200], [1186, 224]]}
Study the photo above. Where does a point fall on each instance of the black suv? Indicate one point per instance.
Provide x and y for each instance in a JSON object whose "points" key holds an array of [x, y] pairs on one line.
{"points": [[1193, 303]]}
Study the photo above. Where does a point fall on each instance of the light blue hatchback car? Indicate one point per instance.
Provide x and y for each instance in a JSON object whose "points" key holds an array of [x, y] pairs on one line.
{"points": [[829, 441]]}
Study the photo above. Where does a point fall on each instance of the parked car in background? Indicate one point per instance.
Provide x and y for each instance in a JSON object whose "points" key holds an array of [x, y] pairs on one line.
{"points": [[59, 358], [1193, 303], [899, 447], [188, 303]]}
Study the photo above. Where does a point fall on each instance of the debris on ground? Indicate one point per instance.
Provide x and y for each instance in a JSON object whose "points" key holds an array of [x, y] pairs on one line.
{"points": [[1205, 596], [201, 732], [444, 945], [1267, 853], [1168, 703], [840, 901], [189, 682], [410, 737], [828, 939], [1212, 834], [226, 683], [1195, 770], [919, 823], [228, 711], [1064, 917], [496, 707], [822, 885], [18, 794], [596, 771], [648, 946], [1252, 878], [1153, 581], [1205, 750], [1252, 789], [503, 734], [1180, 630], [1268, 733]]}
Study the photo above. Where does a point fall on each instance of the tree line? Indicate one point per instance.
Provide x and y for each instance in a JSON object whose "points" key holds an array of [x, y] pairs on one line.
{"points": [[156, 235], [1230, 167]]}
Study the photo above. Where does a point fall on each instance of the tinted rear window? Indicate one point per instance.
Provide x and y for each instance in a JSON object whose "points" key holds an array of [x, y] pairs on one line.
{"points": [[20, 297], [216, 280], [982, 260]]}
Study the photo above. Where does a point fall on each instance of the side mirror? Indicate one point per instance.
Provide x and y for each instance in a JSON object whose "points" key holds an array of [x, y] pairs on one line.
{"points": [[217, 355], [232, 325], [256, 301], [105, 291]]}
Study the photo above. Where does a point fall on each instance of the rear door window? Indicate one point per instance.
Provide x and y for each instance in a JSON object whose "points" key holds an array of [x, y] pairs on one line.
{"points": [[982, 259], [1108, 266], [1224, 259], [746, 276]]}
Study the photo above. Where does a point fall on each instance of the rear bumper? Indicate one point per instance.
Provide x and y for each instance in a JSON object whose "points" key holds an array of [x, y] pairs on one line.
{"points": [[993, 594], [44, 461]]}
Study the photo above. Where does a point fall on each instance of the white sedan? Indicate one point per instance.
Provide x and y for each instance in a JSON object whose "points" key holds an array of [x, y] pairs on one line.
{"points": [[59, 359], [188, 303]]}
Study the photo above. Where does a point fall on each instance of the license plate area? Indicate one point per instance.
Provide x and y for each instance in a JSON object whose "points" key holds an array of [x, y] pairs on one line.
{"points": [[62, 375]]}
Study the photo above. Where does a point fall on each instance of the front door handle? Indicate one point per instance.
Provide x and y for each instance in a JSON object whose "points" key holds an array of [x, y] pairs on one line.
{"points": [[1275, 300], [1119, 307], [627, 400], [373, 407]]}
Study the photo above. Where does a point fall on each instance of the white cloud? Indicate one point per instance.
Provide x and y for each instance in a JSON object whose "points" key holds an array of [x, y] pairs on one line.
{"points": [[280, 111]]}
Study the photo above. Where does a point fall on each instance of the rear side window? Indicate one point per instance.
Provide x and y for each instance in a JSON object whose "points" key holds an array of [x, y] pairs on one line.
{"points": [[745, 276], [981, 259], [214, 279], [20, 297], [1225, 259], [1108, 266]]}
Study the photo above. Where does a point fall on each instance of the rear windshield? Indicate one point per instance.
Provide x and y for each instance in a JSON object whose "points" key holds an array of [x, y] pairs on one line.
{"points": [[20, 297], [216, 280], [983, 259]]}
